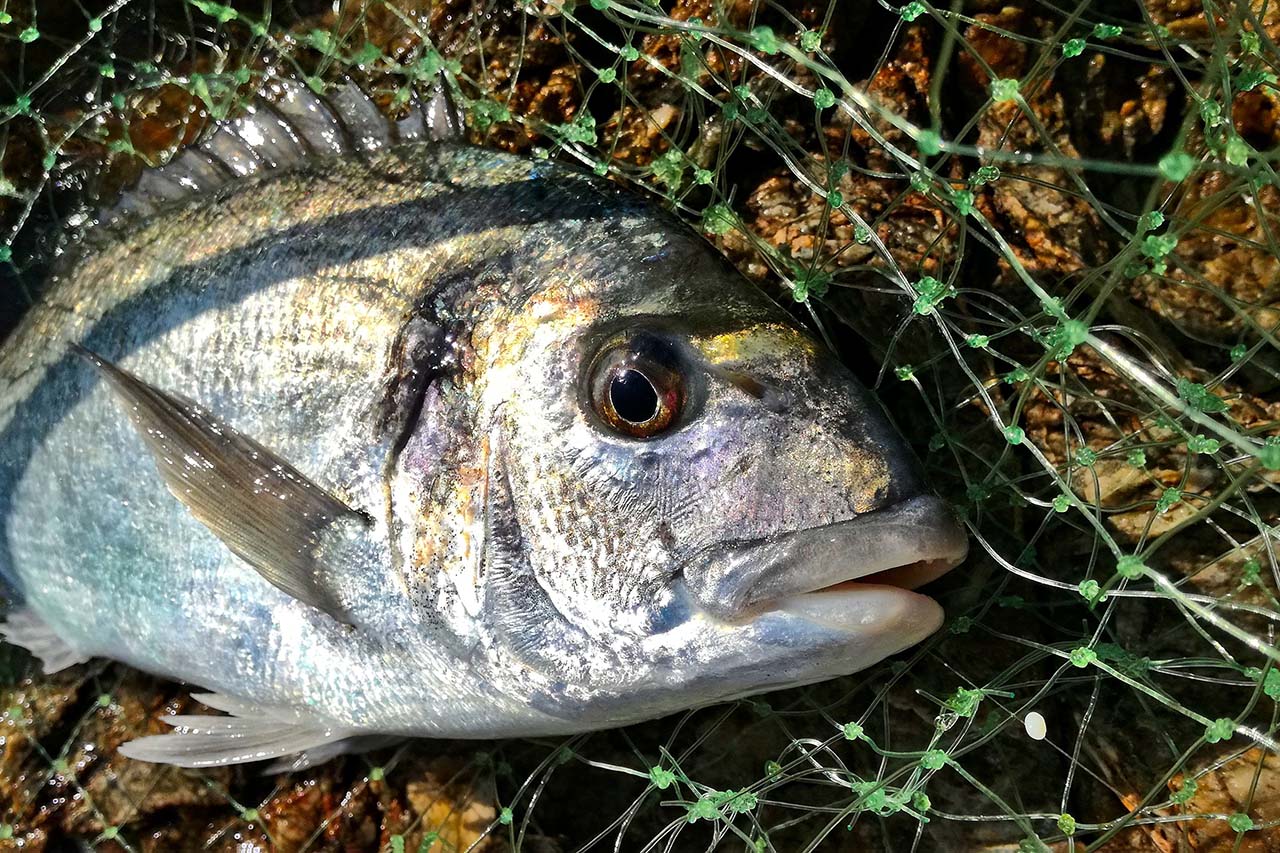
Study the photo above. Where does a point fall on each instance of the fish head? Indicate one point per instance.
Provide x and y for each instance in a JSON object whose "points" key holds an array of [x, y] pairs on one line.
{"points": [[690, 498]]}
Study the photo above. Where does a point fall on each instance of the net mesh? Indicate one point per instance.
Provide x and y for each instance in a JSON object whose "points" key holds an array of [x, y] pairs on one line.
{"points": [[1045, 232]]}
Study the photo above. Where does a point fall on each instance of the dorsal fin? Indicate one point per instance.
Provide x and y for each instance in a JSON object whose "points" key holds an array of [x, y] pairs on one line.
{"points": [[291, 125], [262, 508]]}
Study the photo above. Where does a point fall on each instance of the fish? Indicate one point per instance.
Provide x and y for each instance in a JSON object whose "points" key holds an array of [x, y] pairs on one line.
{"points": [[370, 433]]}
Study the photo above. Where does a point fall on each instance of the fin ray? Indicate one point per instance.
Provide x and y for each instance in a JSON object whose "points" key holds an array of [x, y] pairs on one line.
{"points": [[24, 628], [262, 508], [290, 129], [255, 733], [327, 752]]}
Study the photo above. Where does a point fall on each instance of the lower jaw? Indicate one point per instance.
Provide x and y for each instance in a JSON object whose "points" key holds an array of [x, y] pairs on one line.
{"points": [[876, 616]]}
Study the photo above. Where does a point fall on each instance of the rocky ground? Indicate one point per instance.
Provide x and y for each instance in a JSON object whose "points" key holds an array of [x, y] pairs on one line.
{"points": [[528, 74]]}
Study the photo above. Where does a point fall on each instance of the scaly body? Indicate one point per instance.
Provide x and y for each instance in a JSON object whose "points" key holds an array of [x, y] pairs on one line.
{"points": [[415, 331]]}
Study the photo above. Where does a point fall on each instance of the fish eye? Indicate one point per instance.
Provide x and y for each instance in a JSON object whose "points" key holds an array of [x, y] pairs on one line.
{"points": [[636, 390]]}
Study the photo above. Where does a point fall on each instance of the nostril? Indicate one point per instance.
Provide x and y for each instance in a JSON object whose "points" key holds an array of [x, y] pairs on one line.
{"points": [[773, 397], [777, 400]]}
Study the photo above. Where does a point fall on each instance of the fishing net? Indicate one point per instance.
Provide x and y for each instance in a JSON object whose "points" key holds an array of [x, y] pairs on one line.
{"points": [[1045, 232]]}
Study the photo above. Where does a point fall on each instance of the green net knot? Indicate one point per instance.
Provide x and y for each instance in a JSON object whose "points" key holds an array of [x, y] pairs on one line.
{"points": [[1082, 656], [219, 12], [736, 802], [1072, 48], [669, 168], [1240, 822], [704, 808], [1200, 398], [1004, 89], [933, 759], [964, 702], [1271, 683], [808, 283], [1211, 113], [718, 219], [1203, 444], [1220, 729], [1237, 152], [1158, 246], [1269, 453], [911, 11], [661, 778], [929, 142], [1250, 78], [1150, 221], [1065, 337], [930, 292], [764, 39], [1130, 566], [871, 793], [1091, 591], [1168, 498], [1176, 165], [986, 175], [581, 130]]}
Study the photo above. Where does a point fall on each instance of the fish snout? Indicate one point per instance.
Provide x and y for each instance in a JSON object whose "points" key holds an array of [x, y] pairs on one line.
{"points": [[903, 545]]}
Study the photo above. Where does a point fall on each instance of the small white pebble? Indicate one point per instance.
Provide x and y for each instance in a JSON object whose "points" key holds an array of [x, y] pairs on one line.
{"points": [[1036, 728]]}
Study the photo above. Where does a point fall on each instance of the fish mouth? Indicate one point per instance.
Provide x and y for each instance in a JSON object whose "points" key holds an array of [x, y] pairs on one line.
{"points": [[814, 570]]}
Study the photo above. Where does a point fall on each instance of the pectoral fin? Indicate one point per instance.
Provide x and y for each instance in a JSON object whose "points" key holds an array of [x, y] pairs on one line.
{"points": [[261, 507]]}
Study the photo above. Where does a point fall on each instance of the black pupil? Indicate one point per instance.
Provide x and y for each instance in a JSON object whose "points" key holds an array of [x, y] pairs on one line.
{"points": [[633, 397]]}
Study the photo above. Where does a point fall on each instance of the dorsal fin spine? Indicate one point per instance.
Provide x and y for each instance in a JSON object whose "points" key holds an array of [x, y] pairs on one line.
{"points": [[297, 126]]}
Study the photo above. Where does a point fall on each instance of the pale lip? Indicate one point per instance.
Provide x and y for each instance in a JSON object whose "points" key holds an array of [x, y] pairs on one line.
{"points": [[892, 550]]}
